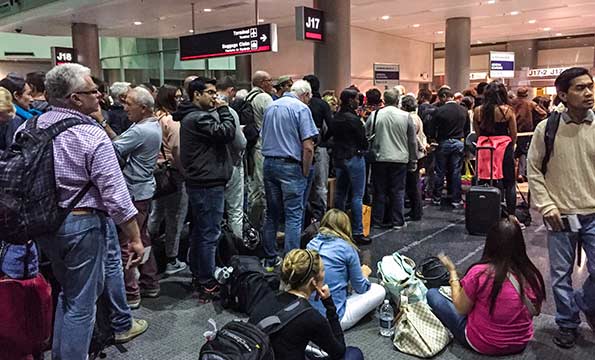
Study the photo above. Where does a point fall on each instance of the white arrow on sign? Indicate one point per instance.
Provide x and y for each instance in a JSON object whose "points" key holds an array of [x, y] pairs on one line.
{"points": [[263, 37]]}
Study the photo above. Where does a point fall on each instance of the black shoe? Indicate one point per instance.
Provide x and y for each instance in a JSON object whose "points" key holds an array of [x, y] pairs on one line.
{"points": [[410, 218], [208, 292], [382, 226], [362, 240], [565, 338]]}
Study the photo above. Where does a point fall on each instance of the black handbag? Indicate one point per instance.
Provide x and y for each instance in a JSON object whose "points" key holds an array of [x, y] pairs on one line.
{"points": [[371, 153], [432, 272], [165, 180]]}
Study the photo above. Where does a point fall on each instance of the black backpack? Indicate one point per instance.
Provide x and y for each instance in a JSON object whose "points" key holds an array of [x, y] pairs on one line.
{"points": [[28, 192], [432, 272], [242, 340], [248, 284], [103, 335], [551, 128], [246, 113]]}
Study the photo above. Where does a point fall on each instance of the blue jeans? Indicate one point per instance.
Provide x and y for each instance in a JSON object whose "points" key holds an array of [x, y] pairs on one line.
{"points": [[562, 252], [120, 315], [449, 162], [207, 213], [284, 185], [389, 180], [351, 173], [445, 310], [77, 253]]}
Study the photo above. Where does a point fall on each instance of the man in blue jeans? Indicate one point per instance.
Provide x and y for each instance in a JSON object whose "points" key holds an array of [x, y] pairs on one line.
{"points": [[288, 149], [563, 190], [77, 251], [448, 127], [207, 127]]}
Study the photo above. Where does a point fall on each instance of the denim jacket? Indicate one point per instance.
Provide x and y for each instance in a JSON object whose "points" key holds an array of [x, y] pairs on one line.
{"points": [[342, 266]]}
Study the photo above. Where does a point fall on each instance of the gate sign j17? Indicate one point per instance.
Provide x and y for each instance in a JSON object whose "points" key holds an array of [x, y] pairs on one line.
{"points": [[501, 64], [309, 23], [245, 40]]}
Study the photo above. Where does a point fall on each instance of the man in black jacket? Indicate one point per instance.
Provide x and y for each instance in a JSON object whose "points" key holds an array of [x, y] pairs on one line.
{"points": [[207, 126], [322, 115], [448, 127]]}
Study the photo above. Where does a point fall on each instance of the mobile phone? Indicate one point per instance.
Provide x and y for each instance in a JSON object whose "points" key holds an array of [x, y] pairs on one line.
{"points": [[565, 223]]}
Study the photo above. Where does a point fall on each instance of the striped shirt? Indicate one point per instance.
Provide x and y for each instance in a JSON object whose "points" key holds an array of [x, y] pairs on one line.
{"points": [[85, 153]]}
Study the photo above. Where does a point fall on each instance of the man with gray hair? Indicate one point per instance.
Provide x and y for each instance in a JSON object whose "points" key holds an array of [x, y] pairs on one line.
{"points": [[80, 250], [140, 145], [288, 148], [258, 98], [395, 148], [117, 117]]}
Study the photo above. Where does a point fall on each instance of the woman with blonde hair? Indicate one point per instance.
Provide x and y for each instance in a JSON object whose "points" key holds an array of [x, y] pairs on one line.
{"points": [[6, 108], [339, 254], [302, 273]]}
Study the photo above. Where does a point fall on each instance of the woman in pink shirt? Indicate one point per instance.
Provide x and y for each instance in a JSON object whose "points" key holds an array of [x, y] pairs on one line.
{"points": [[488, 312]]}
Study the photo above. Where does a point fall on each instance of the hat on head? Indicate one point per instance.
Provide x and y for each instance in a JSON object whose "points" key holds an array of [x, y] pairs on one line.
{"points": [[282, 79], [522, 92]]}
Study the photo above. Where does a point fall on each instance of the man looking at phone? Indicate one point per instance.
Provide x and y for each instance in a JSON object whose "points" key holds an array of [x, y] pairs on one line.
{"points": [[207, 127], [564, 192]]}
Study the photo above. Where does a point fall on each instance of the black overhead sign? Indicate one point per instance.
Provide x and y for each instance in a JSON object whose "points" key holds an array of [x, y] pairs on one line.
{"points": [[63, 55], [309, 23], [245, 40]]}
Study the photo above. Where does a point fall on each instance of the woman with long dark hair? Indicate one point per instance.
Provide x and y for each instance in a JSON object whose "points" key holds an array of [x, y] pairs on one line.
{"points": [[493, 304], [349, 148], [496, 120]]}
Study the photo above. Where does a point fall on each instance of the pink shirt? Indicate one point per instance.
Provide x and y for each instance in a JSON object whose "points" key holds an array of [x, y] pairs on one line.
{"points": [[509, 328]]}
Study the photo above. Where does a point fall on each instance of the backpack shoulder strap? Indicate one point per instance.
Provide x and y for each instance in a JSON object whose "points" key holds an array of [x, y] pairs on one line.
{"points": [[374, 121], [53, 130], [254, 94], [551, 128], [275, 323], [515, 283]]}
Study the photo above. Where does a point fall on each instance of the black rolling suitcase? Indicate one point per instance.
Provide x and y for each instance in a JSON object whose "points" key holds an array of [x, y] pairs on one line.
{"points": [[483, 202]]}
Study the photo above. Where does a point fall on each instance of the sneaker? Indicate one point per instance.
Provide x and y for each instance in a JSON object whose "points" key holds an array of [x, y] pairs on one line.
{"points": [[457, 205], [150, 293], [436, 201], [133, 303], [409, 218], [208, 292], [138, 327], [565, 338], [270, 264], [175, 267], [399, 227], [362, 240]]}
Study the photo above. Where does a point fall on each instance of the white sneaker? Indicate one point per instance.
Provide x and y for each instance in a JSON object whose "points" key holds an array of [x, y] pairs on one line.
{"points": [[174, 268]]}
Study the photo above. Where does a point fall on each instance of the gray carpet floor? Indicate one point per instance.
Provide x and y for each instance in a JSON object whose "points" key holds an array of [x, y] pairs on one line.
{"points": [[178, 321]]}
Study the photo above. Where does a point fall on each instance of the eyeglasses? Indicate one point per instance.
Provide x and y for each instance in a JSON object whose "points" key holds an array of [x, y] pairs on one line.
{"points": [[88, 92]]}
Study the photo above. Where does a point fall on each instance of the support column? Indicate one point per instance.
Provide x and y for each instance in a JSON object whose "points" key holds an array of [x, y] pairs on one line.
{"points": [[244, 72], [332, 59], [85, 39], [458, 52], [525, 58]]}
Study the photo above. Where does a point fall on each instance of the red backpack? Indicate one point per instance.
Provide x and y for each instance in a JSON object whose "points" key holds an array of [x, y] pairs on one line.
{"points": [[25, 311]]}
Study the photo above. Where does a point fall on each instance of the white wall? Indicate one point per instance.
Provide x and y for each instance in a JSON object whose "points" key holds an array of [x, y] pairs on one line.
{"points": [[579, 56], [369, 47]]}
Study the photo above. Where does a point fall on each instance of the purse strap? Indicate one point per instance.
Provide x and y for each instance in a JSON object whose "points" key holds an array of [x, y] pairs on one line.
{"points": [[515, 283]]}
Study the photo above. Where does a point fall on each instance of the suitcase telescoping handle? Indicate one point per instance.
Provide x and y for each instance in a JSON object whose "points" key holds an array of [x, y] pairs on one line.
{"points": [[491, 149]]}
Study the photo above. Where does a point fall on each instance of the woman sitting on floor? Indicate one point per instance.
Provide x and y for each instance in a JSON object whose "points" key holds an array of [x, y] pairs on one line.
{"points": [[303, 273], [334, 243], [493, 305]]}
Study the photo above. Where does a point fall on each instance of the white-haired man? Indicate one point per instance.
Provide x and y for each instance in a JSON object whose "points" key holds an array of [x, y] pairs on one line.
{"points": [[288, 148], [79, 252], [117, 117], [140, 145]]}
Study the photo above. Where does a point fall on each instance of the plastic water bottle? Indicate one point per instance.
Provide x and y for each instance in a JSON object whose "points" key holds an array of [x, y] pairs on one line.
{"points": [[387, 316]]}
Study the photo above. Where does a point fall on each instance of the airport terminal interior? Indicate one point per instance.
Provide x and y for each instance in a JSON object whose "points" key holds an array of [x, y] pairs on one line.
{"points": [[376, 118]]}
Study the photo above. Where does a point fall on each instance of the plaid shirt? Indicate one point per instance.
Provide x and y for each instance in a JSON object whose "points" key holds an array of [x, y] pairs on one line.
{"points": [[84, 153]]}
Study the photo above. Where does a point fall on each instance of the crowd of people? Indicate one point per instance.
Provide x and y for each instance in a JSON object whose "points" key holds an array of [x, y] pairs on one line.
{"points": [[264, 157]]}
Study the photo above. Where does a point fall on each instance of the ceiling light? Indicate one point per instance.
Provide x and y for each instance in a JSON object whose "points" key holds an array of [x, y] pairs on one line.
{"points": [[479, 42], [491, 2], [138, 23], [532, 21], [558, 34], [416, 25], [385, 17], [260, 20], [514, 13], [440, 32], [547, 29], [207, 10], [190, 31]]}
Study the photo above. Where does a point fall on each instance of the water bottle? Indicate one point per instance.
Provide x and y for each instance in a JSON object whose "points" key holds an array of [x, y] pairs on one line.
{"points": [[386, 319]]}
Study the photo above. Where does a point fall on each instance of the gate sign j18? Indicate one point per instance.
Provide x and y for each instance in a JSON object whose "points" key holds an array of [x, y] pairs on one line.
{"points": [[245, 40], [501, 64], [309, 23], [63, 55]]}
